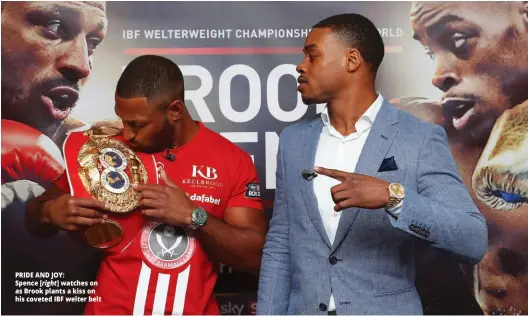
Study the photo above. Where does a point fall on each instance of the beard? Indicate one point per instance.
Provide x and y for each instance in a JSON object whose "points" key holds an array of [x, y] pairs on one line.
{"points": [[21, 102], [157, 142], [308, 101]]}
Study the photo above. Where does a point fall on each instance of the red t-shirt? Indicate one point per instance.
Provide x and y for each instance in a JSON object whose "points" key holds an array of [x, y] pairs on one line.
{"points": [[163, 269]]}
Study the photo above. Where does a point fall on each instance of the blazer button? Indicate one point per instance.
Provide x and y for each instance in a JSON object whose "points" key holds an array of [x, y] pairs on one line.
{"points": [[322, 307], [333, 260]]}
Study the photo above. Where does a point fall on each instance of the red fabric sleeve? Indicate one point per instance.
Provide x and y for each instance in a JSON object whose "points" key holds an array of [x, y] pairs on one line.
{"points": [[63, 183], [246, 189]]}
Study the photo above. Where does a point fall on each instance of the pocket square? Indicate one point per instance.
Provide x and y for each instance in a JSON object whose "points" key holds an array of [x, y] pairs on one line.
{"points": [[388, 164]]}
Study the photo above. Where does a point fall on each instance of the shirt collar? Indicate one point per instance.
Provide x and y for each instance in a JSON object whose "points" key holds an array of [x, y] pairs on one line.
{"points": [[365, 121]]}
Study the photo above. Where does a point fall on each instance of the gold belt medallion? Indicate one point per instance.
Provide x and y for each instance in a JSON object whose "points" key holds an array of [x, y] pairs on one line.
{"points": [[108, 168]]}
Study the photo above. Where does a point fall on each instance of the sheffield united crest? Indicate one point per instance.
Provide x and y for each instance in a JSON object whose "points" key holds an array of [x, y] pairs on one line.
{"points": [[165, 246]]}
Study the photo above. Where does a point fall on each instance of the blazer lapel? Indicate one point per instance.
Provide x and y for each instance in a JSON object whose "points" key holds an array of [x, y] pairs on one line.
{"points": [[309, 140], [376, 147]]}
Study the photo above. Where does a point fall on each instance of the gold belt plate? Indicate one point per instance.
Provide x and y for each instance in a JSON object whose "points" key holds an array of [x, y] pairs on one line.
{"points": [[108, 168]]}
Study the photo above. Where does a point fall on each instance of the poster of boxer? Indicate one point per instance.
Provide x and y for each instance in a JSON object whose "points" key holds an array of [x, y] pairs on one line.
{"points": [[460, 65]]}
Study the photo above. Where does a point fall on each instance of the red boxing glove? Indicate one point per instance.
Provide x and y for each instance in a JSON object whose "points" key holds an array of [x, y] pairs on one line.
{"points": [[27, 154]]}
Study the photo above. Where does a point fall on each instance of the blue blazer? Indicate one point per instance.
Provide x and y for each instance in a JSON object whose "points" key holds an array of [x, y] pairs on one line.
{"points": [[370, 266]]}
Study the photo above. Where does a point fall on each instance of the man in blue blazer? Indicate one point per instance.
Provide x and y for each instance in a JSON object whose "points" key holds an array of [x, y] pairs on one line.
{"points": [[357, 187]]}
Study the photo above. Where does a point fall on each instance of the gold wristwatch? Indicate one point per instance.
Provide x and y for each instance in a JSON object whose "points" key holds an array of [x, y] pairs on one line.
{"points": [[396, 195]]}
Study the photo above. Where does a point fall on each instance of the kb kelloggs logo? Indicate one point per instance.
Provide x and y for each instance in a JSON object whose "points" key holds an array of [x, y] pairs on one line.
{"points": [[203, 177], [204, 172]]}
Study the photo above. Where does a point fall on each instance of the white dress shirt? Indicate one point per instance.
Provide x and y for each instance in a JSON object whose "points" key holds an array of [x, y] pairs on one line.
{"points": [[335, 151]]}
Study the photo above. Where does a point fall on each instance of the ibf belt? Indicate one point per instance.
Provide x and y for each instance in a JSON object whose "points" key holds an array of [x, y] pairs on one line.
{"points": [[101, 166]]}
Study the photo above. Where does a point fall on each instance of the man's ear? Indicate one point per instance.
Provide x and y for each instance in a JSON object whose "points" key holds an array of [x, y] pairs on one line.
{"points": [[353, 60], [175, 110]]}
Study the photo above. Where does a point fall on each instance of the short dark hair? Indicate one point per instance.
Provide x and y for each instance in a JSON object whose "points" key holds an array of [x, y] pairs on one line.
{"points": [[154, 77], [360, 33]]}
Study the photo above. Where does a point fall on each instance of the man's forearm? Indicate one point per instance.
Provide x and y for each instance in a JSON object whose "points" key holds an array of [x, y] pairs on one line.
{"points": [[240, 248], [459, 229]]}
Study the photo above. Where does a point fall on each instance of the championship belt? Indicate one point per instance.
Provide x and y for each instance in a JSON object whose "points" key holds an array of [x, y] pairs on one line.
{"points": [[100, 166]]}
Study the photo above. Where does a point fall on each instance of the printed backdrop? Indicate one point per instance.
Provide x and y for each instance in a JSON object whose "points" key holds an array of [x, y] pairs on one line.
{"points": [[239, 60]]}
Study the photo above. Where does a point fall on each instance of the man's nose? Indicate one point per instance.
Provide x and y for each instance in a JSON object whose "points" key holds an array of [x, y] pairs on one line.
{"points": [[301, 68], [446, 75], [511, 261], [128, 135], [74, 64]]}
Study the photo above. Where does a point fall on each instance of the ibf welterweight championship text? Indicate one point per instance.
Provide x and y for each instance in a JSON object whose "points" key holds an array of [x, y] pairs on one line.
{"points": [[177, 34], [46, 287]]}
